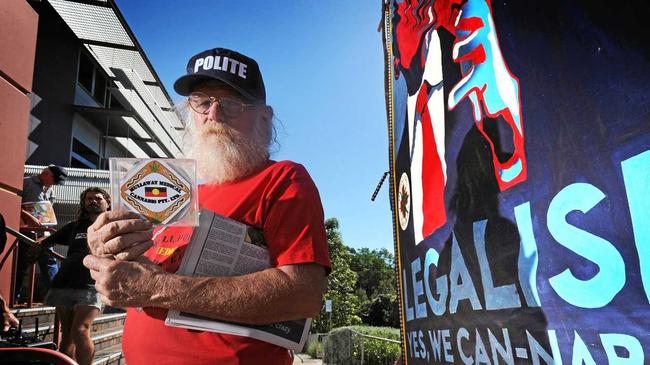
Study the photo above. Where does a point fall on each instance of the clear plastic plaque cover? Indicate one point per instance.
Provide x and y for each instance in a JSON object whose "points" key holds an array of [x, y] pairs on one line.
{"points": [[162, 190]]}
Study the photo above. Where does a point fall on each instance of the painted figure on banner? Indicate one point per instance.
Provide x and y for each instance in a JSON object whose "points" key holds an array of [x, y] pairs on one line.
{"points": [[486, 83]]}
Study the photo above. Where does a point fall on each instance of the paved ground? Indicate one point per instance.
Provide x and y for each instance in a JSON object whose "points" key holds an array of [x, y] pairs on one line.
{"points": [[304, 359]]}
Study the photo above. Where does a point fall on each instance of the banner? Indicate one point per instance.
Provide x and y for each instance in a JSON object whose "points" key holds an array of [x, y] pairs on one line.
{"points": [[520, 166]]}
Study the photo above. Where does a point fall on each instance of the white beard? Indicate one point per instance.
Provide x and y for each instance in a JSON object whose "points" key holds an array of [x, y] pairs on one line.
{"points": [[224, 154]]}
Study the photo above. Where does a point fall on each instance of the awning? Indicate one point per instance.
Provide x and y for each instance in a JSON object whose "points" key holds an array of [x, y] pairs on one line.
{"points": [[100, 26]]}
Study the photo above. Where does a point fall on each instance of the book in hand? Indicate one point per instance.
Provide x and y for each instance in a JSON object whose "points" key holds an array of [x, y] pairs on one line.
{"points": [[42, 210], [221, 246]]}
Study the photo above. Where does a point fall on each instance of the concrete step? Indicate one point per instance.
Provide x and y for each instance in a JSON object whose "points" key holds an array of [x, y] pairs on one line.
{"points": [[44, 314], [109, 356], [106, 330], [103, 323], [107, 339]]}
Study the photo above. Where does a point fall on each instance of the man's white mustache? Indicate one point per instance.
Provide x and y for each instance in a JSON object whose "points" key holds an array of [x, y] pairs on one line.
{"points": [[217, 129]]}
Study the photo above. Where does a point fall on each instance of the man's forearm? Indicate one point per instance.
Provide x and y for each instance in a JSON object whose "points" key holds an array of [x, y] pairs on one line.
{"points": [[277, 294], [264, 297]]}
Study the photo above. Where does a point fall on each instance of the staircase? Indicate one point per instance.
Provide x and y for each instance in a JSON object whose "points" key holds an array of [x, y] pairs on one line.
{"points": [[106, 331]]}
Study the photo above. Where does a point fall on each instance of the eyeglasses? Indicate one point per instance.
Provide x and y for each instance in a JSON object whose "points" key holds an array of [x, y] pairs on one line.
{"points": [[201, 103]]}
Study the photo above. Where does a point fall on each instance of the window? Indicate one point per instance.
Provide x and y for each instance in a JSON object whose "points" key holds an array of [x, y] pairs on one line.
{"points": [[86, 72], [115, 104], [82, 156], [92, 78], [100, 88]]}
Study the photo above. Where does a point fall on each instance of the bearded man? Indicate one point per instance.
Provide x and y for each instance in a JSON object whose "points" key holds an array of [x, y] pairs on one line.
{"points": [[229, 135], [73, 290]]}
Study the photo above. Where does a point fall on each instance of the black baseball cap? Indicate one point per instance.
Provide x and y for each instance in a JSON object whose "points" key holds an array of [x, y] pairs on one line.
{"points": [[59, 173], [233, 68]]}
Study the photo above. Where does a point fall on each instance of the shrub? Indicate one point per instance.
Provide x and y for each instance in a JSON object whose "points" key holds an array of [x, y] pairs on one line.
{"points": [[377, 351], [344, 346], [315, 349]]}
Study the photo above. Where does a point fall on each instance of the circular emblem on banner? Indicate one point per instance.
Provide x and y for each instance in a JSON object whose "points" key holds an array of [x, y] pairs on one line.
{"points": [[155, 190], [404, 201]]}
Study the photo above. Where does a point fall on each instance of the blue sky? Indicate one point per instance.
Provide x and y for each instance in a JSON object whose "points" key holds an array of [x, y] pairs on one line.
{"points": [[322, 63]]}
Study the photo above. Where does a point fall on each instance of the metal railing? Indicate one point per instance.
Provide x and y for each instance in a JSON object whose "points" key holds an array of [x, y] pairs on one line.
{"points": [[13, 253], [383, 359], [347, 346]]}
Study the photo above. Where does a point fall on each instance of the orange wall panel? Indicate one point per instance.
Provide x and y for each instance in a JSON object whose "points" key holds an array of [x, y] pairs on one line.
{"points": [[18, 26], [14, 120]]}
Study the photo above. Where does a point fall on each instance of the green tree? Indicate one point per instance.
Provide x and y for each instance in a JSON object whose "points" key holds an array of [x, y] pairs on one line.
{"points": [[376, 286], [383, 311], [376, 271], [341, 284]]}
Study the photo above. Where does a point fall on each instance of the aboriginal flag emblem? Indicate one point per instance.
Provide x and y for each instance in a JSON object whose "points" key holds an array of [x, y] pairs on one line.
{"points": [[155, 192]]}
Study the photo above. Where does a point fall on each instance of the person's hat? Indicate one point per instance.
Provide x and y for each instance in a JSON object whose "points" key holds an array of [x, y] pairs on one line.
{"points": [[59, 173], [233, 68]]}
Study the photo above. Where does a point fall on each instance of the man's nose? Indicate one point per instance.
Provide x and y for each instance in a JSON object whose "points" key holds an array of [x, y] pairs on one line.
{"points": [[213, 112]]}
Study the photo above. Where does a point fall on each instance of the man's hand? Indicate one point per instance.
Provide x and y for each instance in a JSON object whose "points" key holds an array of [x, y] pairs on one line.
{"points": [[122, 234], [28, 220], [8, 318], [125, 283]]}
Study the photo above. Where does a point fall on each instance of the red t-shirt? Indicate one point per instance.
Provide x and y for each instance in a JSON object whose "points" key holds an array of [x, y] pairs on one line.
{"points": [[281, 200]]}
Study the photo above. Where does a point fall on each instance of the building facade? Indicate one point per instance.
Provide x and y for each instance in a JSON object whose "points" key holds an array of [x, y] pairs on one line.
{"points": [[96, 95], [76, 89]]}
